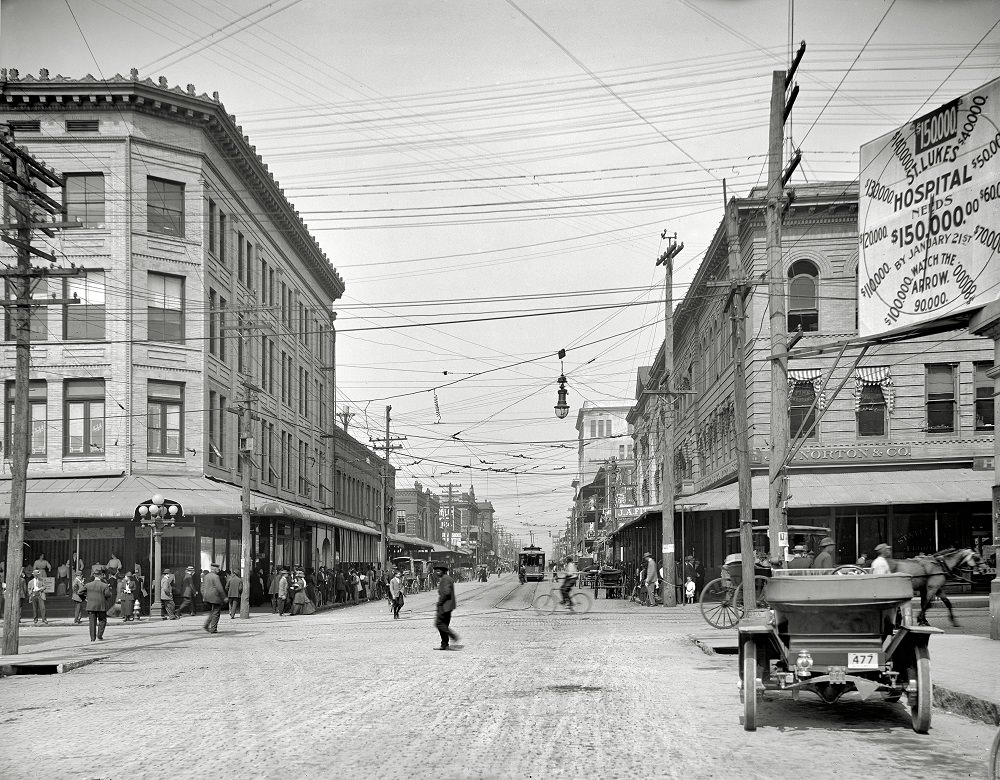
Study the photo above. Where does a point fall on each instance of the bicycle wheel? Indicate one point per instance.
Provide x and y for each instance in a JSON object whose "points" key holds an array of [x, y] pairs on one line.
{"points": [[717, 605], [544, 604], [581, 602]]}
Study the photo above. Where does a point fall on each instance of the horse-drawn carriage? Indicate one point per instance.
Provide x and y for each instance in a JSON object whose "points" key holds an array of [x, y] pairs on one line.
{"points": [[722, 598], [833, 634]]}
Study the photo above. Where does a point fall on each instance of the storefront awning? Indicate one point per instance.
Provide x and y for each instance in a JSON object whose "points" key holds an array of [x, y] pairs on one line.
{"points": [[408, 542], [115, 498], [859, 488]]}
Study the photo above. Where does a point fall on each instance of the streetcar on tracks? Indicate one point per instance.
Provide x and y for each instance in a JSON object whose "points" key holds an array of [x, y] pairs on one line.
{"points": [[533, 560]]}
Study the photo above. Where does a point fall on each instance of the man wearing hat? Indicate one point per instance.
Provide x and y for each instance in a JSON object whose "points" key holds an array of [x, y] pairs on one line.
{"points": [[98, 595], [213, 594], [800, 557], [881, 564], [284, 591], [167, 595], [445, 606], [189, 591], [825, 559], [652, 576]]}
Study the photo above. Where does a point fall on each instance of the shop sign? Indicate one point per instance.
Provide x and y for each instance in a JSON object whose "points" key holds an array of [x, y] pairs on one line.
{"points": [[865, 452], [928, 213], [628, 512], [983, 463], [45, 534]]}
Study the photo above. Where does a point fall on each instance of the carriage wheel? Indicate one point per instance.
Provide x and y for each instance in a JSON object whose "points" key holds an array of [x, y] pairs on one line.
{"points": [[718, 606], [920, 702], [759, 583], [995, 759], [749, 690]]}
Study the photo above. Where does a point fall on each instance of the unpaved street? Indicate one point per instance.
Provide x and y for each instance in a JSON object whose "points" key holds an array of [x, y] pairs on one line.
{"points": [[619, 693]]}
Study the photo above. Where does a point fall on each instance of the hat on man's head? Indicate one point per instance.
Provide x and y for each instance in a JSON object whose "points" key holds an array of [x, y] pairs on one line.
{"points": [[646, 555], [215, 566], [799, 548], [440, 567], [689, 558], [825, 541], [166, 571], [883, 546], [190, 568]]}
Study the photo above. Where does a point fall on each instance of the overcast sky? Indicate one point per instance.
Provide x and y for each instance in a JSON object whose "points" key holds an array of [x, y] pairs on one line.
{"points": [[488, 160]]}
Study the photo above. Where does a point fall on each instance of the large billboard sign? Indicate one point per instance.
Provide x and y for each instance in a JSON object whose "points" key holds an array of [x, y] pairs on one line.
{"points": [[929, 217]]}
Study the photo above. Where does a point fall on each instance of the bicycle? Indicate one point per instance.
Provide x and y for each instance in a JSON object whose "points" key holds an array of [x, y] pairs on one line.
{"points": [[549, 602]]}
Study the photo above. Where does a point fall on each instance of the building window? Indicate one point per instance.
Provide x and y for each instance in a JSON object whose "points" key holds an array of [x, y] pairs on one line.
{"points": [[164, 207], [84, 321], [212, 216], [83, 413], [37, 397], [802, 411], [940, 384], [984, 397], [871, 411], [164, 418], [240, 257], [38, 329], [223, 227], [84, 199], [803, 285], [217, 404], [401, 521], [303, 455], [165, 312]]}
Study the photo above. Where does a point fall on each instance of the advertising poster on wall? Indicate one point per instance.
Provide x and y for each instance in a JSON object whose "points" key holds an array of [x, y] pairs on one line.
{"points": [[929, 217]]}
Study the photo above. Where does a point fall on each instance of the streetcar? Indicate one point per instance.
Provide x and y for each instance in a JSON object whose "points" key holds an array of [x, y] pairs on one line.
{"points": [[533, 560]]}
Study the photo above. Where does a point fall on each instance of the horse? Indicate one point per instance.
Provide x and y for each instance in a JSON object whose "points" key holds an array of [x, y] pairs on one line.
{"points": [[928, 574]]}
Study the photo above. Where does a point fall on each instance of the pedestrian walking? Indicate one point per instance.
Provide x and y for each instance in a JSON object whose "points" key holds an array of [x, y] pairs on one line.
{"points": [[652, 576], [78, 597], [284, 581], [99, 596], [167, 596], [355, 586], [396, 592], [189, 592], [36, 595], [881, 564], [126, 596], [341, 587], [214, 595], [272, 589], [234, 590], [446, 603]]}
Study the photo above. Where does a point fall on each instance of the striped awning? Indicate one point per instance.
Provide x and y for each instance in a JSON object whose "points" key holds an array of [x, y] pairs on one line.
{"points": [[874, 375], [813, 376]]}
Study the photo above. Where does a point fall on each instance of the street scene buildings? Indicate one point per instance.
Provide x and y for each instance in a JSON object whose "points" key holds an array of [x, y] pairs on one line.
{"points": [[503, 372]]}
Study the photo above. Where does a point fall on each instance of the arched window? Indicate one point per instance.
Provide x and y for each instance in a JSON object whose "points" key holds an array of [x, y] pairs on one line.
{"points": [[803, 297]]}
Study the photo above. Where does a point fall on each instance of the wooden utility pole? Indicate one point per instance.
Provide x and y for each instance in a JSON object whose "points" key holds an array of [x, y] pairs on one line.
{"points": [[736, 302], [389, 446], [18, 171], [776, 180], [666, 389]]}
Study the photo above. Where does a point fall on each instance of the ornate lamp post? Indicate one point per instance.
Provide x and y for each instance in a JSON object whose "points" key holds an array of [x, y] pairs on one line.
{"points": [[158, 513]]}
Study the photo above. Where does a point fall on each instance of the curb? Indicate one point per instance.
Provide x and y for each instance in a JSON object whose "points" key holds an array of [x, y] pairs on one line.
{"points": [[965, 704]]}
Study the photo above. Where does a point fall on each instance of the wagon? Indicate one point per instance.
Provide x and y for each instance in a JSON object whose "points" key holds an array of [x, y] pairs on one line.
{"points": [[832, 634], [722, 598]]}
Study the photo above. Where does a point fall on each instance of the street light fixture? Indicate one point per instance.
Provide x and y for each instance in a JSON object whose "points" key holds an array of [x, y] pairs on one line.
{"points": [[561, 407], [158, 513]]}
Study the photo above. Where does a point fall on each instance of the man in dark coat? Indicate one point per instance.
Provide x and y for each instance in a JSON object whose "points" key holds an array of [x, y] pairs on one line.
{"points": [[214, 595], [234, 591], [98, 596], [445, 606], [189, 591]]}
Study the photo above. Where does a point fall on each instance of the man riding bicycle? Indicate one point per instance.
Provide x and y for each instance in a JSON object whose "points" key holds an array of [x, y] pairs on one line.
{"points": [[569, 580]]}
